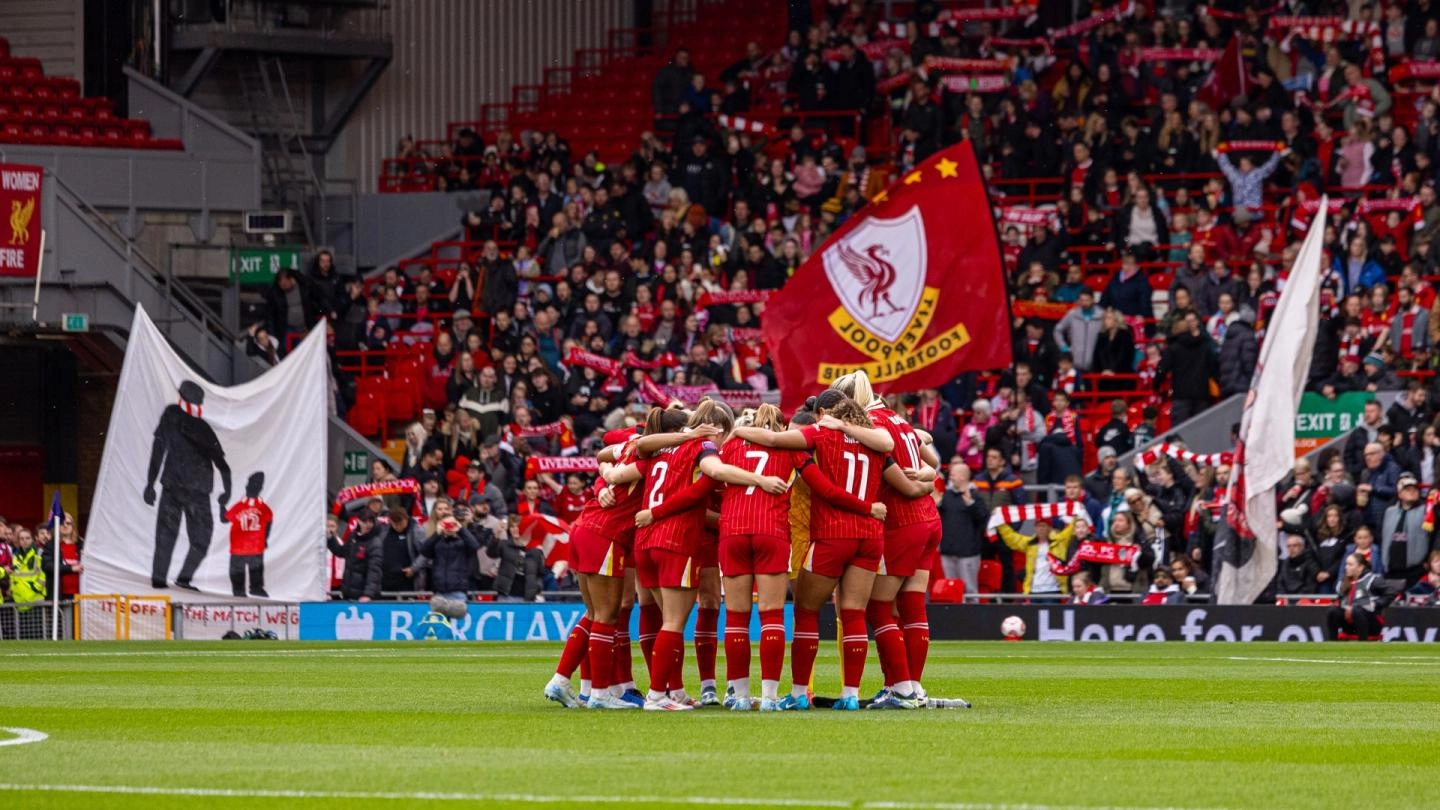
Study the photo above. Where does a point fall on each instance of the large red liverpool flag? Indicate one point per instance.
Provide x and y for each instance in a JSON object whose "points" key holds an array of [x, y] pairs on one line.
{"points": [[911, 289], [20, 201]]}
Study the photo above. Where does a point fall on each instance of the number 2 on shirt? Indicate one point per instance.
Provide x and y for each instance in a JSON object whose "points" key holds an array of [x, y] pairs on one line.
{"points": [[657, 494]]}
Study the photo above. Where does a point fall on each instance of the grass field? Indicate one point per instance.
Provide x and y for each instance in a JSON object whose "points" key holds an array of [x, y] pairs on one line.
{"points": [[249, 724]]}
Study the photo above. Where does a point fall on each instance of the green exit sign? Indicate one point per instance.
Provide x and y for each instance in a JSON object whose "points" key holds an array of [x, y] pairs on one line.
{"points": [[357, 462], [260, 265], [75, 322]]}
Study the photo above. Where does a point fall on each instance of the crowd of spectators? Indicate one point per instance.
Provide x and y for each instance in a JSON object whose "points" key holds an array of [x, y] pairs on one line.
{"points": [[27, 573], [1148, 226]]}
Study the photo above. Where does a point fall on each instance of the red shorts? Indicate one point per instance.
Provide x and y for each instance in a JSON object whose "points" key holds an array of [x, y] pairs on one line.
{"points": [[830, 558], [595, 554], [707, 554], [662, 568], [909, 549], [747, 554]]}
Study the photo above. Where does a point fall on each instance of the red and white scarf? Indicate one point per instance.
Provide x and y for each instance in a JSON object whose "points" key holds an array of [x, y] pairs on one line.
{"points": [[535, 465], [191, 408], [1094, 551], [1180, 54], [738, 124], [1250, 146], [1031, 511], [975, 84], [1147, 457]]}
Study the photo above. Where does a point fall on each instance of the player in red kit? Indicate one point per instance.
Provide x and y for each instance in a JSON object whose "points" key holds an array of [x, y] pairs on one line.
{"points": [[845, 548], [250, 520], [755, 554], [667, 548], [912, 539], [602, 541]]}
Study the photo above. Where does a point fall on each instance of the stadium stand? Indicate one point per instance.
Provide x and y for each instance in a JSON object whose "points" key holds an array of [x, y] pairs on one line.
{"points": [[1152, 167], [50, 110]]}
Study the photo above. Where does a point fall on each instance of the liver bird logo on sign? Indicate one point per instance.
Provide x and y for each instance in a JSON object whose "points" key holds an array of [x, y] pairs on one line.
{"points": [[20, 216], [878, 272]]}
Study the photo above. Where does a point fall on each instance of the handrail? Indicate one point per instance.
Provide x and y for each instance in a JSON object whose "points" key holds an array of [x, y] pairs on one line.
{"points": [[174, 290]]}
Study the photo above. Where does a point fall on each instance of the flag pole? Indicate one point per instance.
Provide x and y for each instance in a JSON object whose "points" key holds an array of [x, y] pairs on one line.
{"points": [[55, 515], [39, 270]]}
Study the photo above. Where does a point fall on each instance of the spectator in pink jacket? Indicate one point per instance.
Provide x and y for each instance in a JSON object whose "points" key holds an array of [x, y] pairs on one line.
{"points": [[971, 446]]}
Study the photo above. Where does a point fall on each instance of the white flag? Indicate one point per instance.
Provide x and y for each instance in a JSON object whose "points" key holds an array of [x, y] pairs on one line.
{"points": [[207, 493], [1266, 452]]}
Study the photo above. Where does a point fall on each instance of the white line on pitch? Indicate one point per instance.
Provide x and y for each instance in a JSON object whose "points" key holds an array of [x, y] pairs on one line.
{"points": [[530, 798], [24, 736], [1406, 663]]}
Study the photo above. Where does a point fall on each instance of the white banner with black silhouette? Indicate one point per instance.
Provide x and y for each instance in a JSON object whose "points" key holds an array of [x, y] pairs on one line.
{"points": [[208, 493]]}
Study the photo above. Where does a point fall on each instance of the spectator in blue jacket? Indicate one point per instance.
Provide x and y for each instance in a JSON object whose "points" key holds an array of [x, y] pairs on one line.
{"points": [[1379, 483], [1356, 269], [1129, 289]]}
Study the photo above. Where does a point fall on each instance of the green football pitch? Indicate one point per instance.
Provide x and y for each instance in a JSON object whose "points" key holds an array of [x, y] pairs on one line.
{"points": [[273, 725]]}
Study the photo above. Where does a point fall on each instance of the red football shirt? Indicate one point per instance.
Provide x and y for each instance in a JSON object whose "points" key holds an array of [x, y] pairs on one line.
{"points": [[903, 510], [249, 519], [666, 475], [856, 469], [617, 522], [752, 510], [568, 505]]}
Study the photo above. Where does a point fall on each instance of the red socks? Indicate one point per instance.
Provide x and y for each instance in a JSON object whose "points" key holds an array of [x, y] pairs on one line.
{"points": [[601, 657], [576, 646], [889, 641], [805, 646], [707, 641], [916, 621], [855, 645], [650, 622], [621, 667], [677, 665], [737, 645], [668, 649], [772, 644]]}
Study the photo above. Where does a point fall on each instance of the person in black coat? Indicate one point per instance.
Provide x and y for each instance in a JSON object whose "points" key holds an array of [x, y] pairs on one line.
{"points": [[1114, 352], [1129, 290], [363, 554], [1044, 247], [702, 178], [450, 556], [1190, 366], [853, 79], [962, 529], [326, 287], [289, 308], [671, 82], [1238, 355], [399, 542]]}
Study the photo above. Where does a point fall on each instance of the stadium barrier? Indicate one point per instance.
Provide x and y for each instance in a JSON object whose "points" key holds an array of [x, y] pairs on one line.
{"points": [[1157, 623], [484, 621]]}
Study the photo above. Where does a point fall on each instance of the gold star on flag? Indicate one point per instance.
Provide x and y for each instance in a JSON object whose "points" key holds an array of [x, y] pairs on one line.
{"points": [[881, 197], [947, 168], [912, 178]]}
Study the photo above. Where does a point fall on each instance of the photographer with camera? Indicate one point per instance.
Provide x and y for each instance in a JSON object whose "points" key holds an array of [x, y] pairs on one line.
{"points": [[449, 553]]}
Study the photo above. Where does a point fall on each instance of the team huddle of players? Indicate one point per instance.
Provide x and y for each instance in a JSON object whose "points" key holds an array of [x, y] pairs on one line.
{"points": [[836, 503]]}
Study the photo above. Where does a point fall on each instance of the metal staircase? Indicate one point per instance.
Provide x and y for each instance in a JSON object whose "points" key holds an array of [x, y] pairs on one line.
{"points": [[290, 180]]}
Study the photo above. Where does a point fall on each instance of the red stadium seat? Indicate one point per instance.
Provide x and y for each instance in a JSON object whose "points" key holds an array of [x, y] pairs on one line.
{"points": [[991, 576], [948, 590]]}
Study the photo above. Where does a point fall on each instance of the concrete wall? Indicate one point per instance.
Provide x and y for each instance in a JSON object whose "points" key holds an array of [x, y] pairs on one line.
{"points": [[451, 56], [49, 30]]}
